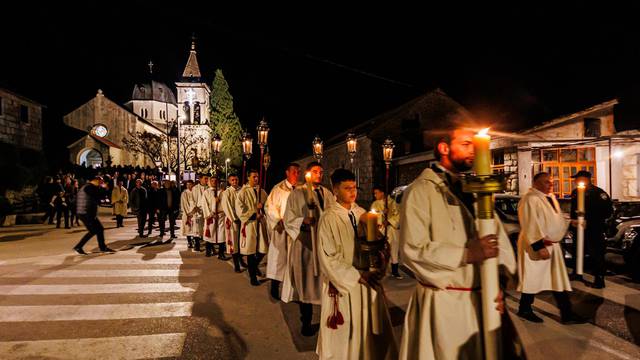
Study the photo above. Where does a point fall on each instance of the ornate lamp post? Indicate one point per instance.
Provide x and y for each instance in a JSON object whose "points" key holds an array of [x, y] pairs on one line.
{"points": [[387, 155], [352, 147], [247, 150], [266, 163], [317, 148], [216, 144], [263, 135]]}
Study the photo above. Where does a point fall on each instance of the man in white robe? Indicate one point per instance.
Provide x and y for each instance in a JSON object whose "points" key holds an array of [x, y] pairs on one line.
{"points": [[213, 220], [253, 230], [540, 259], [302, 281], [365, 331], [391, 223], [198, 218], [232, 222], [188, 208], [279, 240], [439, 243]]}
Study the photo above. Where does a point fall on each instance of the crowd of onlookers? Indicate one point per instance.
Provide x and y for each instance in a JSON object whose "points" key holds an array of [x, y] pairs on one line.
{"points": [[58, 193]]}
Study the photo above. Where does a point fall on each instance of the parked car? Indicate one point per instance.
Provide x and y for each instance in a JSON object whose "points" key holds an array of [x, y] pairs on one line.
{"points": [[622, 236]]}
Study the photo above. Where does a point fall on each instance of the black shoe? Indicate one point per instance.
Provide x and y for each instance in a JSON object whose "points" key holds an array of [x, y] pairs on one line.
{"points": [[161, 234], [242, 263], [575, 277], [573, 318], [529, 315], [255, 282], [223, 257], [597, 284], [173, 236], [107, 250], [190, 246], [307, 330], [142, 235], [67, 227], [79, 251]]}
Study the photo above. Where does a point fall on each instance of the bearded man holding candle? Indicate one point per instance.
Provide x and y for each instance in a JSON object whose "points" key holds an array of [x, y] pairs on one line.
{"points": [[354, 319], [540, 258], [439, 242], [305, 205]]}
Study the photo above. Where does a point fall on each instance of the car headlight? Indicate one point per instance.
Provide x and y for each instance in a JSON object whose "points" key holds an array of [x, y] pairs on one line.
{"points": [[628, 238]]}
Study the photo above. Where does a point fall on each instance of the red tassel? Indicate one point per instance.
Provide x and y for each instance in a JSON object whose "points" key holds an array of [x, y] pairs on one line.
{"points": [[336, 318]]}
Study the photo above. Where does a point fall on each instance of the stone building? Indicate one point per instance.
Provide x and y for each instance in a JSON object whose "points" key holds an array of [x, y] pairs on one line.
{"points": [[585, 140], [20, 120], [409, 126], [106, 124]]}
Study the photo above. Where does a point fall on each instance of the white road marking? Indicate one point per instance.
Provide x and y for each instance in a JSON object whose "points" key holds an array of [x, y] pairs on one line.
{"points": [[79, 273], [93, 312], [96, 289], [121, 347]]}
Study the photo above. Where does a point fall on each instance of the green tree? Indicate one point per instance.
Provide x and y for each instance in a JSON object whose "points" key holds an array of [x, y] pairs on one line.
{"points": [[224, 121]]}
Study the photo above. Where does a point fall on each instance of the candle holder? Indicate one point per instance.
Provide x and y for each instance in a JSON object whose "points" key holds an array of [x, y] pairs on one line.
{"points": [[371, 255]]}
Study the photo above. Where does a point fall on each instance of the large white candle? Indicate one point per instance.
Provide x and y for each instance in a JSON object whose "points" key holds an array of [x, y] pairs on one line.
{"points": [[482, 158]]}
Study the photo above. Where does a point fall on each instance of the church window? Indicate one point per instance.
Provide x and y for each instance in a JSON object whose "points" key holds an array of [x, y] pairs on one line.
{"points": [[24, 113], [187, 113], [196, 112]]}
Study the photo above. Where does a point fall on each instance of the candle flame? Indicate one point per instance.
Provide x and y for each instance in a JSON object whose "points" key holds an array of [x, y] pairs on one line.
{"points": [[307, 175], [581, 184], [483, 132]]}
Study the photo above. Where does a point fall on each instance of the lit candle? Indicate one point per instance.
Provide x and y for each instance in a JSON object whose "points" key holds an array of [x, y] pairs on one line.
{"points": [[581, 188], [482, 160], [307, 177], [372, 224]]}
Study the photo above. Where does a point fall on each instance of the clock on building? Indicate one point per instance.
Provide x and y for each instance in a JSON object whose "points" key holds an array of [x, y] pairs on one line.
{"points": [[100, 130]]}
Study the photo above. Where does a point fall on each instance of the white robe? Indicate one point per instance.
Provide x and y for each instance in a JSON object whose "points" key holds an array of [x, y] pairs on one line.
{"points": [[278, 242], [231, 228], [392, 228], [441, 323], [210, 205], [367, 332], [538, 220], [198, 219], [120, 200], [245, 209], [301, 282], [188, 207]]}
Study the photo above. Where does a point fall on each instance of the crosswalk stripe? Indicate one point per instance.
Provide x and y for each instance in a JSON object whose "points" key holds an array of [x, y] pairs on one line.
{"points": [[122, 347], [93, 312], [103, 273], [120, 261], [96, 289]]}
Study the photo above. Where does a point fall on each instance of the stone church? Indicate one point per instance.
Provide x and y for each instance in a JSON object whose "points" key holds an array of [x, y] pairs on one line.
{"points": [[152, 108]]}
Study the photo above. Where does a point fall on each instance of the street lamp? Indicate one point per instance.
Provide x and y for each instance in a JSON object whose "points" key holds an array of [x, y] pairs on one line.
{"points": [[387, 155], [266, 163], [216, 143], [352, 147], [263, 136], [247, 150], [317, 148]]}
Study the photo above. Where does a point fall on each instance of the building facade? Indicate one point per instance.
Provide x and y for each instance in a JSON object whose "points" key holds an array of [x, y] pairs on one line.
{"points": [[106, 124], [20, 120]]}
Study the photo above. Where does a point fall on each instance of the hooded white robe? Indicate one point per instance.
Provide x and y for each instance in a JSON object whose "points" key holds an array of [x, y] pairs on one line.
{"points": [[441, 323], [278, 242], [540, 220], [246, 209], [367, 332], [301, 280]]}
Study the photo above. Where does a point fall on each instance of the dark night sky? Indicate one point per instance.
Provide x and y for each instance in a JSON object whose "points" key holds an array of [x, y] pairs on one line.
{"points": [[512, 65]]}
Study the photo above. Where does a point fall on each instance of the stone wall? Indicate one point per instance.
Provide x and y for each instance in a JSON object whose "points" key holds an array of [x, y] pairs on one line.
{"points": [[12, 129]]}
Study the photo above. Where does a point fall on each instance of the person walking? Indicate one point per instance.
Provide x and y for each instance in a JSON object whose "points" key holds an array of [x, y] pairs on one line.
{"points": [[87, 209]]}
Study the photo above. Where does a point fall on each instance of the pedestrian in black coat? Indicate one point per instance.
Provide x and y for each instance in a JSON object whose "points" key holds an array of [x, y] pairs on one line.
{"points": [[169, 206], [87, 209]]}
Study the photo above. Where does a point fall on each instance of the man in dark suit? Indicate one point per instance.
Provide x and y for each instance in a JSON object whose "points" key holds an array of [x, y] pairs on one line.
{"points": [[138, 201], [153, 197], [169, 206]]}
